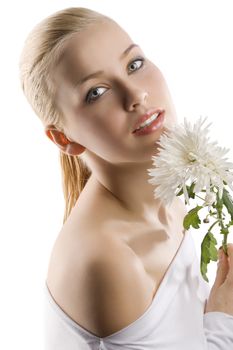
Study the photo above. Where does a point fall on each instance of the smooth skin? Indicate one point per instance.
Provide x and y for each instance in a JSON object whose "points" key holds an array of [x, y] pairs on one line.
{"points": [[118, 234], [221, 294]]}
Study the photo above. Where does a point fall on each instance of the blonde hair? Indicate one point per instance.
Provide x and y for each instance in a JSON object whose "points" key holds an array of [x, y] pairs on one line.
{"points": [[43, 49]]}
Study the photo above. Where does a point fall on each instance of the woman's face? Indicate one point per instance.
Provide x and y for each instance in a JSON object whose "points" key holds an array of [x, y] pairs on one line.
{"points": [[101, 112]]}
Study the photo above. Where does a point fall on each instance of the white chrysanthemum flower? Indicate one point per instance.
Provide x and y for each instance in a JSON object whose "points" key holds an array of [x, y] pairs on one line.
{"points": [[186, 154], [210, 198]]}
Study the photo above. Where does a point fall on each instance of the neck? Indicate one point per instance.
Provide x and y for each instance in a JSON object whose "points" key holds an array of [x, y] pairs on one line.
{"points": [[127, 185]]}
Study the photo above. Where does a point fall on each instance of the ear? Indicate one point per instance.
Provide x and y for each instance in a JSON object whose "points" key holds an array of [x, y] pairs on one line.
{"points": [[65, 145]]}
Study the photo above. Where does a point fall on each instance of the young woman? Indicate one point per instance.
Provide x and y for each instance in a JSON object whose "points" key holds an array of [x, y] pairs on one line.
{"points": [[122, 274]]}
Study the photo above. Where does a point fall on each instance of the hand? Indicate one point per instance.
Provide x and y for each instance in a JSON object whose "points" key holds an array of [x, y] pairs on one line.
{"points": [[221, 294]]}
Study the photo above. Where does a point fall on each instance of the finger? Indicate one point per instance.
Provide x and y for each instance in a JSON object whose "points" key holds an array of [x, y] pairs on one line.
{"points": [[222, 270], [230, 251], [230, 259]]}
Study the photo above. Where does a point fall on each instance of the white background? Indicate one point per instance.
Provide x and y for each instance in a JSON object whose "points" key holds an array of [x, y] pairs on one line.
{"points": [[191, 42]]}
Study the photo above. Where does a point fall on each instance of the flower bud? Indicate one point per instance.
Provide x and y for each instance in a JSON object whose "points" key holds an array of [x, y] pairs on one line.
{"points": [[206, 220]]}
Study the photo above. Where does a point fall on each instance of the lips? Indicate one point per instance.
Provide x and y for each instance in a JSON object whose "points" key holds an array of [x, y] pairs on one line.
{"points": [[146, 116]]}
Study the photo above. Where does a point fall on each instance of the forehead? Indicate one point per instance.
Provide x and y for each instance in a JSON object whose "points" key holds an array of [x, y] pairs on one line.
{"points": [[93, 48]]}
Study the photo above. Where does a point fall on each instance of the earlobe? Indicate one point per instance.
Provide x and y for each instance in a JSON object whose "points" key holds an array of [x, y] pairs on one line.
{"points": [[74, 149]]}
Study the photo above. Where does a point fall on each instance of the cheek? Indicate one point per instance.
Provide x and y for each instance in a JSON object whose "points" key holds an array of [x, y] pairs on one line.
{"points": [[103, 127], [155, 78], [108, 117]]}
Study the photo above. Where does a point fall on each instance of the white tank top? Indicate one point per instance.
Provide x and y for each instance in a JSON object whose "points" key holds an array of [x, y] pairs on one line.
{"points": [[173, 321]]}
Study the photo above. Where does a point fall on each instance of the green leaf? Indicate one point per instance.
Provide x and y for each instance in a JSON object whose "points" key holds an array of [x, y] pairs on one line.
{"points": [[192, 218], [191, 194], [228, 202], [204, 271], [208, 252], [190, 190], [180, 192], [224, 230]]}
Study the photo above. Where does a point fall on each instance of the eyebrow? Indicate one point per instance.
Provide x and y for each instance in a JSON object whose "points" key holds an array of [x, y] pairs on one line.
{"points": [[99, 72]]}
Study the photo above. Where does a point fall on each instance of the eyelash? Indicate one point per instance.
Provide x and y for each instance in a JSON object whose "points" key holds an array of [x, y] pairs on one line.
{"points": [[87, 99]]}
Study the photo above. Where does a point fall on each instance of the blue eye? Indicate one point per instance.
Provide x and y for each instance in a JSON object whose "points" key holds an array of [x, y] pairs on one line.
{"points": [[137, 60], [95, 90], [95, 94]]}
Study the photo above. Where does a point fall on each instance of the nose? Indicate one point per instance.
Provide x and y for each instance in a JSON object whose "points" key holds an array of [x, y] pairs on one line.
{"points": [[135, 97]]}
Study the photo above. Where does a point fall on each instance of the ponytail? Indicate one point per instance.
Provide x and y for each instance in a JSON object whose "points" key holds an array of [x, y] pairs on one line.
{"points": [[75, 174]]}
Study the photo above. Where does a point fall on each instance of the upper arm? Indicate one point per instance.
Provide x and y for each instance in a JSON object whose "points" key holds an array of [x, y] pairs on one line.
{"points": [[110, 291]]}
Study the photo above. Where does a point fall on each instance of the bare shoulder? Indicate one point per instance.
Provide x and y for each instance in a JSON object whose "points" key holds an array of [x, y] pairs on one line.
{"points": [[100, 284]]}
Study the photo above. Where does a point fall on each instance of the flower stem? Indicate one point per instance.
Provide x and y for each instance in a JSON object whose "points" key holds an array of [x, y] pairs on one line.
{"points": [[199, 197], [225, 231], [225, 243], [213, 225]]}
